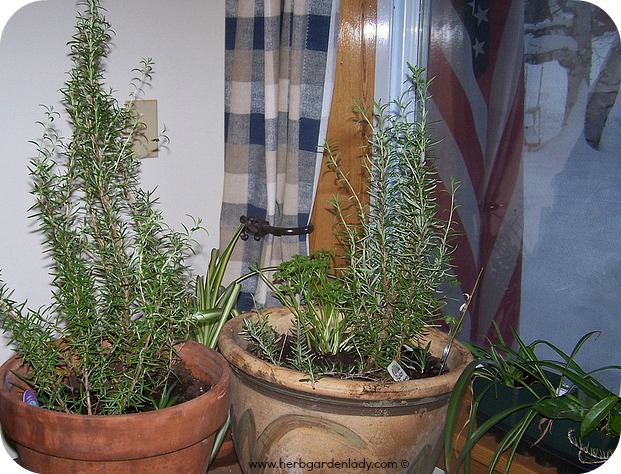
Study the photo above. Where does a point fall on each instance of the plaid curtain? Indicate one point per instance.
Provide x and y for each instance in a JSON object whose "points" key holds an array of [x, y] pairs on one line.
{"points": [[276, 62]]}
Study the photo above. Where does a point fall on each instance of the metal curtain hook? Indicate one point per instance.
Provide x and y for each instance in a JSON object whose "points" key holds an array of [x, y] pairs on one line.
{"points": [[259, 228]]}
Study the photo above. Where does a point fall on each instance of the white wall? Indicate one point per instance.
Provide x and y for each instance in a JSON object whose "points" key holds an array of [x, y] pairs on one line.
{"points": [[186, 41]]}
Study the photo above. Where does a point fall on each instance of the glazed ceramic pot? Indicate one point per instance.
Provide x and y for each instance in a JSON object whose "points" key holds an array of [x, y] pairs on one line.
{"points": [[283, 423], [175, 439]]}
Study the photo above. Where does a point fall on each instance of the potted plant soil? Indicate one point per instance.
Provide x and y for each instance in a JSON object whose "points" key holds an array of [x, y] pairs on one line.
{"points": [[350, 372], [106, 378]]}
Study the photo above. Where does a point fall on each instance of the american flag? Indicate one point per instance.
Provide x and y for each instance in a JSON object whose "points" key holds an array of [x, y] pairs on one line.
{"points": [[476, 59]]}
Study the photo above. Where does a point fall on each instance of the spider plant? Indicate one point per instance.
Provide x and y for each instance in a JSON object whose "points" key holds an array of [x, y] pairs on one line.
{"points": [[559, 389], [214, 302]]}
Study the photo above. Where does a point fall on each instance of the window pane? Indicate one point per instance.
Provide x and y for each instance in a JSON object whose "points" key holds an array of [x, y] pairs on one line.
{"points": [[572, 180]]}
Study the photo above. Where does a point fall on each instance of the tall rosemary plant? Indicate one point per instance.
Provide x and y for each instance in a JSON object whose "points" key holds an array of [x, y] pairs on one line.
{"points": [[398, 245], [122, 294]]}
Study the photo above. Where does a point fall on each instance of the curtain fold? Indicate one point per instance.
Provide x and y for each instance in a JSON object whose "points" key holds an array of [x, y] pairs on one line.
{"points": [[276, 64]]}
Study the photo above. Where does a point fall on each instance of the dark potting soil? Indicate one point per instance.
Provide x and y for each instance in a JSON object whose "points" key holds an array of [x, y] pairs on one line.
{"points": [[345, 364], [432, 369], [188, 386]]}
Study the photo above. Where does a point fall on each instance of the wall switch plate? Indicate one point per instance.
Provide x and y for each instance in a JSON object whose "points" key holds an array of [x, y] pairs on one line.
{"points": [[146, 144]]}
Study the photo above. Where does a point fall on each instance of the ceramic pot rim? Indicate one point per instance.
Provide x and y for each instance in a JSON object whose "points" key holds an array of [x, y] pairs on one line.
{"points": [[232, 346]]}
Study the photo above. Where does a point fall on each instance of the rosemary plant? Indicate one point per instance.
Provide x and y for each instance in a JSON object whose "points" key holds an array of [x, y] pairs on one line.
{"points": [[267, 341], [397, 246], [376, 299], [122, 294]]}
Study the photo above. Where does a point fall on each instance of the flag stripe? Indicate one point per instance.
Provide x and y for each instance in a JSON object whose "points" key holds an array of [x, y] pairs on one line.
{"points": [[476, 58], [458, 99]]}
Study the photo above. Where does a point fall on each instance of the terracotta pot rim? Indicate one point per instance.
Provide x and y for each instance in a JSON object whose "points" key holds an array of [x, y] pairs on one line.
{"points": [[174, 418], [231, 345], [222, 382]]}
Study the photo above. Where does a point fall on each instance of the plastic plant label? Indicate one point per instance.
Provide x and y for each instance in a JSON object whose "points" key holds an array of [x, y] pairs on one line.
{"points": [[563, 389], [396, 372], [30, 398]]}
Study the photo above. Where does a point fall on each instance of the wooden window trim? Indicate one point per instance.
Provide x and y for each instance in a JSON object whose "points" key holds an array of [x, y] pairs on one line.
{"points": [[354, 80]]}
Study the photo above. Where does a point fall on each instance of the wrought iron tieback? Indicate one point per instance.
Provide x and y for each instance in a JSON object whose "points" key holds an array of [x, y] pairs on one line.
{"points": [[259, 228]]}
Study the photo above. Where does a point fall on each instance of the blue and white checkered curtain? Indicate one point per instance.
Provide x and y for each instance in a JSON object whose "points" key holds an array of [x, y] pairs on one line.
{"points": [[277, 61]]}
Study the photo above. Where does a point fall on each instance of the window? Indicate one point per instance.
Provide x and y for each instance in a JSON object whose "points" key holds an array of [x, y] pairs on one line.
{"points": [[570, 160]]}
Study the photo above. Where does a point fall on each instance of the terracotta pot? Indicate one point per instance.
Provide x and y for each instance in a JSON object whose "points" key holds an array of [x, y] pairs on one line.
{"points": [[280, 418], [176, 439]]}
